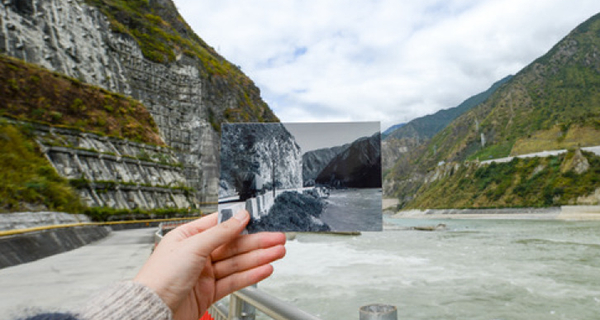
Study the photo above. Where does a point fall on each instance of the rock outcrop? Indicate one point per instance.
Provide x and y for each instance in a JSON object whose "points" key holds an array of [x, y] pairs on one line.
{"points": [[577, 163], [187, 101], [292, 212]]}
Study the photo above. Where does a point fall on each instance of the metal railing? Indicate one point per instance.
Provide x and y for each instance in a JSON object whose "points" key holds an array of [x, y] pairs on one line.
{"points": [[272, 307], [243, 303]]}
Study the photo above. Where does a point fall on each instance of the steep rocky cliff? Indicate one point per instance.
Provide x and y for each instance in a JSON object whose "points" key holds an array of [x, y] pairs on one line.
{"points": [[313, 162], [359, 166], [256, 157], [142, 49]]}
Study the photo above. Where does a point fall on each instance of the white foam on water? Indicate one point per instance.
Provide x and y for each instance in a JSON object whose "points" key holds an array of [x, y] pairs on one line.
{"points": [[473, 270], [338, 269]]}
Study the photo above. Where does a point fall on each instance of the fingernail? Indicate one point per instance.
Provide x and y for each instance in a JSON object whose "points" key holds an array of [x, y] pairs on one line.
{"points": [[240, 215]]}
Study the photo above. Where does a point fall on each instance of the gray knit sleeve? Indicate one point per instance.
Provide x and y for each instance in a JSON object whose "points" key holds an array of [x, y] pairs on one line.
{"points": [[126, 300]]}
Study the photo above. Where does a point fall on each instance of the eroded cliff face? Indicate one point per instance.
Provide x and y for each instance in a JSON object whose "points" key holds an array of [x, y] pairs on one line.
{"points": [[313, 162], [256, 156], [359, 166], [76, 39]]}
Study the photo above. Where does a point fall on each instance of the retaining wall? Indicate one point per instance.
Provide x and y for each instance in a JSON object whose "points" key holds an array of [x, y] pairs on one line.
{"points": [[22, 248], [116, 173]]}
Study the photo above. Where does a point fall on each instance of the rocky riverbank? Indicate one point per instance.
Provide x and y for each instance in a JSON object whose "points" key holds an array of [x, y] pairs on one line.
{"points": [[292, 211], [550, 213]]}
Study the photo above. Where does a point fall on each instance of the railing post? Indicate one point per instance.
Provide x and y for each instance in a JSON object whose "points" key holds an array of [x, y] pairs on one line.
{"points": [[240, 310], [378, 312], [235, 308], [248, 311]]}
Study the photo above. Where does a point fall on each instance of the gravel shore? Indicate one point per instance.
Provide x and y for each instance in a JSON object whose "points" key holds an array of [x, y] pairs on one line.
{"points": [[552, 213]]}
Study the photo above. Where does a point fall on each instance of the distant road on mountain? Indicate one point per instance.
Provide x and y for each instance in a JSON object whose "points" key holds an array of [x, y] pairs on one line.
{"points": [[595, 150]]}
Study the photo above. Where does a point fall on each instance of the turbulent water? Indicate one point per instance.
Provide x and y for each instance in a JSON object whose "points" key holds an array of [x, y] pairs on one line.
{"points": [[475, 269]]}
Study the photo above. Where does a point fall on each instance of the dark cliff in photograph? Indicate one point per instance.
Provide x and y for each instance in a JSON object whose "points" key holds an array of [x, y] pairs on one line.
{"points": [[359, 166], [313, 162]]}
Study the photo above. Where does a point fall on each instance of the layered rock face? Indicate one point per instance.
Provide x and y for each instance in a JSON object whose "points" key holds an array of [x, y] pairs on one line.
{"points": [[73, 38], [256, 156]]}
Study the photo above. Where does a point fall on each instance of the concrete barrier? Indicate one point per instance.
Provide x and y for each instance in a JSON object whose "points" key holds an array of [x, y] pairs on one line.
{"points": [[22, 248], [24, 220], [260, 205]]}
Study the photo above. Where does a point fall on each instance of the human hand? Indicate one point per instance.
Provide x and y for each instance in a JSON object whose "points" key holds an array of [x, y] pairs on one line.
{"points": [[201, 262]]}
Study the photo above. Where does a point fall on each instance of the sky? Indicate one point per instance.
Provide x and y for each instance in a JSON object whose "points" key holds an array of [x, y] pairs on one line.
{"points": [[379, 60], [317, 135]]}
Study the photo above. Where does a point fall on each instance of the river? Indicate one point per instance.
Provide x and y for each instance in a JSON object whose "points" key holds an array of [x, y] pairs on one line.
{"points": [[474, 269], [353, 209]]}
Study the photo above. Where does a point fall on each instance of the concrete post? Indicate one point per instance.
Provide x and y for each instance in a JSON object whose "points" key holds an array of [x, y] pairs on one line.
{"points": [[378, 312]]}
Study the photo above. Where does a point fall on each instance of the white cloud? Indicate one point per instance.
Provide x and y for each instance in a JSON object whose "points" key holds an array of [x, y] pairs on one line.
{"points": [[379, 60]]}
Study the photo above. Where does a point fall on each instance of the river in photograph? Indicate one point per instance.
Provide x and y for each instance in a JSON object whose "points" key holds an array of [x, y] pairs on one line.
{"points": [[474, 269], [353, 209]]}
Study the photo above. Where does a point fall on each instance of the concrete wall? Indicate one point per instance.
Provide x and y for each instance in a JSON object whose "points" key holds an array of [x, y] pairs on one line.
{"points": [[22, 248], [121, 174], [25, 220]]}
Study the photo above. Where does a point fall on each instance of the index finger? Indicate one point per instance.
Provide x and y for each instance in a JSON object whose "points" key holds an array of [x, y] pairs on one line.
{"points": [[199, 225], [207, 241], [248, 242]]}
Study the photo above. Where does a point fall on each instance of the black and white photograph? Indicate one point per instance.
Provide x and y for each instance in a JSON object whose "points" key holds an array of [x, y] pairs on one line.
{"points": [[302, 177]]}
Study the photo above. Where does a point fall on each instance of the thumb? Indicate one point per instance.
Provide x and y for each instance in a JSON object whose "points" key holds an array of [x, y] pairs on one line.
{"points": [[206, 242]]}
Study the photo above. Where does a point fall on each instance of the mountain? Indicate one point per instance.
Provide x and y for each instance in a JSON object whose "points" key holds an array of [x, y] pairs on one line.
{"points": [[359, 166], [406, 138], [313, 162], [145, 51], [391, 129], [557, 93], [425, 127], [550, 104]]}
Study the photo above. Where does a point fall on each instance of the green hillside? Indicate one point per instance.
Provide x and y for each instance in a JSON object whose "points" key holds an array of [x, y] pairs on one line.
{"points": [[560, 90], [529, 182], [550, 104], [27, 180], [31, 94]]}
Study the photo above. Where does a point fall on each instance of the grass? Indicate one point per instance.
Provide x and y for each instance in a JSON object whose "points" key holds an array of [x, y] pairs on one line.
{"points": [[558, 137], [27, 180], [109, 214], [31, 93]]}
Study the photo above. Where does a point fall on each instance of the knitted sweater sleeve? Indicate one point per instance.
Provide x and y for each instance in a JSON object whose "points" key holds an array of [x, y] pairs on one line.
{"points": [[126, 300]]}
